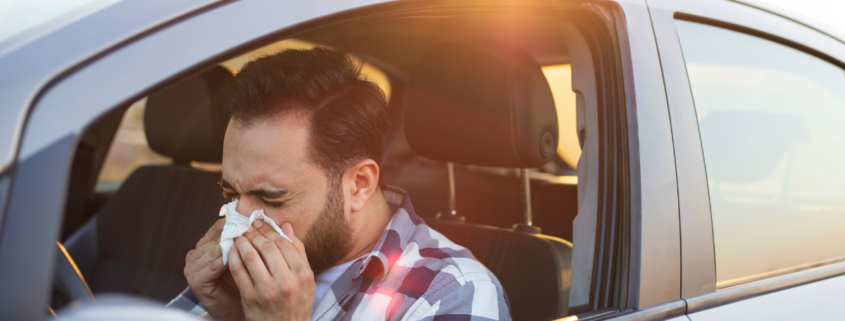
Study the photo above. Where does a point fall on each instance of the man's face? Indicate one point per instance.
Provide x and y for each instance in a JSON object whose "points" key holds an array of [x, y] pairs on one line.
{"points": [[266, 166]]}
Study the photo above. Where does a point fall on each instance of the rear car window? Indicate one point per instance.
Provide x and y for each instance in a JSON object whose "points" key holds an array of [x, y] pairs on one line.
{"points": [[368, 71], [772, 125], [560, 81], [129, 150]]}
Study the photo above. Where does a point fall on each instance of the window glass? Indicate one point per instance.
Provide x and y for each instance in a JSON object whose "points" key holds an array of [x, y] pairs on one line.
{"points": [[368, 71], [772, 125], [129, 149], [560, 81]]}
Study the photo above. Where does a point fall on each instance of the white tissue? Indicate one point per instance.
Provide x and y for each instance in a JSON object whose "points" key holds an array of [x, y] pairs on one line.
{"points": [[237, 224]]}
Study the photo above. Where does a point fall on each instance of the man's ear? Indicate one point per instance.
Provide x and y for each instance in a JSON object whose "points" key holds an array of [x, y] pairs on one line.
{"points": [[361, 181]]}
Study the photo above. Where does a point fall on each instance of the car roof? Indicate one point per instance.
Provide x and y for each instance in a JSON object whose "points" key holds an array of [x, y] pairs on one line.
{"points": [[46, 55]]}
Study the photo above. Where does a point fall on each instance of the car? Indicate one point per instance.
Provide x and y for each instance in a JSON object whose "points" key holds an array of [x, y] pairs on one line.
{"points": [[697, 174]]}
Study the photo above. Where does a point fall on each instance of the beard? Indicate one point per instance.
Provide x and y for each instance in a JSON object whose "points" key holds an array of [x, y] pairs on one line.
{"points": [[329, 238]]}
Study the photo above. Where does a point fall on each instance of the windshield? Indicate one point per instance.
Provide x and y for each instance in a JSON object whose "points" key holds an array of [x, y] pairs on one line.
{"points": [[23, 19]]}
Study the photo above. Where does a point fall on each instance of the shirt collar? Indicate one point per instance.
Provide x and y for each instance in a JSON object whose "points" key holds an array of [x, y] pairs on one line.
{"points": [[396, 236]]}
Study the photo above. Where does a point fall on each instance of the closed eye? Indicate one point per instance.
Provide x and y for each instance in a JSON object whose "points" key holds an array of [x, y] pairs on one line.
{"points": [[274, 204]]}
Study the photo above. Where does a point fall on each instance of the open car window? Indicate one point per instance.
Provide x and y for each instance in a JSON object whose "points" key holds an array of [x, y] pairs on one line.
{"points": [[489, 199], [560, 80], [130, 150]]}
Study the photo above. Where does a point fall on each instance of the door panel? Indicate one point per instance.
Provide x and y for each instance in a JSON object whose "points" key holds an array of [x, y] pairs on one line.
{"points": [[699, 279], [772, 121], [821, 300]]}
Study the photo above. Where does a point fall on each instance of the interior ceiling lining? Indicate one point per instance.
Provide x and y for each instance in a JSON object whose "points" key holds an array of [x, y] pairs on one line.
{"points": [[396, 44]]}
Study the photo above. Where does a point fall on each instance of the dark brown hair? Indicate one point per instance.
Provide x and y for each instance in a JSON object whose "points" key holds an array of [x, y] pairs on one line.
{"points": [[347, 114]]}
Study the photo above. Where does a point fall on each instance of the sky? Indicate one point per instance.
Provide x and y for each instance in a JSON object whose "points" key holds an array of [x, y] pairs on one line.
{"points": [[17, 16], [828, 13]]}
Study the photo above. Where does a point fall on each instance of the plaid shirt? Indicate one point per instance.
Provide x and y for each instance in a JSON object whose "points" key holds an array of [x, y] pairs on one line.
{"points": [[413, 273]]}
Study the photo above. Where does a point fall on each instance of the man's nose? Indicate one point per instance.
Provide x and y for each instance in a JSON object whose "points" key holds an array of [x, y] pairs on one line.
{"points": [[246, 205]]}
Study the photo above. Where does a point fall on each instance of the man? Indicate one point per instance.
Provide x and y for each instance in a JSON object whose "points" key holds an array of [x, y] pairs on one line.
{"points": [[304, 144]]}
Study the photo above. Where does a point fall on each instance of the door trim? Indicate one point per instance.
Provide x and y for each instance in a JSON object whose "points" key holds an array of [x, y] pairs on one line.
{"points": [[749, 290]]}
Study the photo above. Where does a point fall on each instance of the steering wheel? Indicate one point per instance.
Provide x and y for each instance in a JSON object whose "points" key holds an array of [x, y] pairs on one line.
{"points": [[68, 283]]}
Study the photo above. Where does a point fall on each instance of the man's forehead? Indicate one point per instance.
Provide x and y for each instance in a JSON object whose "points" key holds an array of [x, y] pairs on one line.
{"points": [[288, 128], [267, 154], [278, 177]]}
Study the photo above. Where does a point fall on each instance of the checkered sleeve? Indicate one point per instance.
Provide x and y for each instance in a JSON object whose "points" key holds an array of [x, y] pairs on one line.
{"points": [[187, 301], [472, 296]]}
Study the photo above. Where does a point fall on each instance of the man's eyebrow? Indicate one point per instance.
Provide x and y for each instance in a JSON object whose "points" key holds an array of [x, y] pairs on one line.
{"points": [[270, 193]]}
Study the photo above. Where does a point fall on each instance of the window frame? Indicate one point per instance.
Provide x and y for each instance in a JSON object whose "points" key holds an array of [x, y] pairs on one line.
{"points": [[698, 247]]}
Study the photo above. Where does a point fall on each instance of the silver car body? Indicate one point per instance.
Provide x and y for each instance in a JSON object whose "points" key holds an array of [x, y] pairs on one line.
{"points": [[55, 84]]}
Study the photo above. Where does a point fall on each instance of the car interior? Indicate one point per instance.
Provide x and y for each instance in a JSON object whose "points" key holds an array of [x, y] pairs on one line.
{"points": [[461, 86]]}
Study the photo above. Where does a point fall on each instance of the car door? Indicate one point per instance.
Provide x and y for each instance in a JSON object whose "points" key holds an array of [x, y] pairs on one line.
{"points": [[118, 69], [756, 102], [642, 281]]}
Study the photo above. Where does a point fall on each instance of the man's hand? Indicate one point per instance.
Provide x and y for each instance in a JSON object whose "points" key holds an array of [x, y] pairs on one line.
{"points": [[273, 275], [209, 279]]}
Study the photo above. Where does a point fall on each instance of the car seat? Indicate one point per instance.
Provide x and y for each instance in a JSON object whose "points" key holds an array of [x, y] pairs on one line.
{"points": [[489, 104], [137, 242]]}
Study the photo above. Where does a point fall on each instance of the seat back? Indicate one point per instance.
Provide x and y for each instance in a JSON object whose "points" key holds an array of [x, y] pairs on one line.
{"points": [[524, 263], [149, 225], [489, 104], [137, 242]]}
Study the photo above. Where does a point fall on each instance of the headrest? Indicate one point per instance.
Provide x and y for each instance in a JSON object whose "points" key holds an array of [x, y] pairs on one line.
{"points": [[485, 104], [180, 121]]}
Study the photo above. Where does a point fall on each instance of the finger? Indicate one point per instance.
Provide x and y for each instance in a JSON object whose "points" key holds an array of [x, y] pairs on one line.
{"points": [[212, 233], [201, 251], [295, 241], [295, 260], [252, 260], [239, 272], [268, 249], [211, 271], [208, 258], [267, 231], [189, 256]]}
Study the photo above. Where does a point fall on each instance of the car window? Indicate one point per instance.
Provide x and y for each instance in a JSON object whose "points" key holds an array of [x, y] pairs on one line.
{"points": [[560, 81], [130, 149], [369, 71], [772, 125]]}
